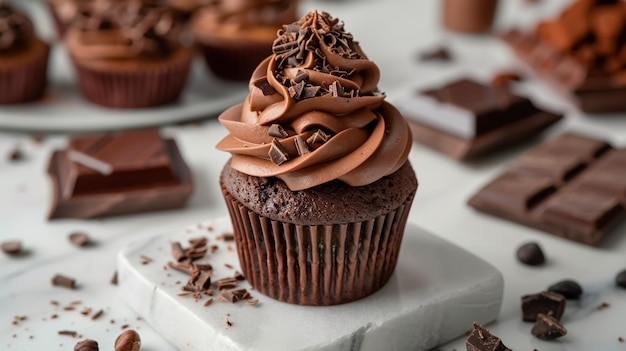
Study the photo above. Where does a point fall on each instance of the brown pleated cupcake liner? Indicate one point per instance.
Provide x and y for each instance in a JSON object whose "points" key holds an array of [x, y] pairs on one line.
{"points": [[317, 264], [235, 62], [26, 81], [144, 87]]}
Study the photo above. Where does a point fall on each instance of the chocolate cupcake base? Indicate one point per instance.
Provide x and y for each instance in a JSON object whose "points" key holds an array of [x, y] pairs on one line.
{"points": [[137, 84], [23, 76], [320, 264]]}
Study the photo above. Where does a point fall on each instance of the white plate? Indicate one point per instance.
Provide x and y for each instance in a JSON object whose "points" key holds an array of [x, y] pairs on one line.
{"points": [[63, 109]]}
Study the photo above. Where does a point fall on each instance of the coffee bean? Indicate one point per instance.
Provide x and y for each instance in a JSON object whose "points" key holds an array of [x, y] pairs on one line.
{"points": [[568, 288], [531, 254]]}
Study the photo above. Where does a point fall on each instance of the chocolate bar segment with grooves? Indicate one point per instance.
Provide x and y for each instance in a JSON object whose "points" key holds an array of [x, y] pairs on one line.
{"points": [[118, 173], [572, 186], [466, 119]]}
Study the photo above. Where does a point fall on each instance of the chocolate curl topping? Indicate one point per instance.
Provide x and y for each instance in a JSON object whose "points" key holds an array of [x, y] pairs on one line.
{"points": [[315, 34], [16, 30]]}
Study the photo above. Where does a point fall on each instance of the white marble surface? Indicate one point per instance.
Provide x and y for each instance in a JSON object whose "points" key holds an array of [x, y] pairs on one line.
{"points": [[408, 26], [422, 308]]}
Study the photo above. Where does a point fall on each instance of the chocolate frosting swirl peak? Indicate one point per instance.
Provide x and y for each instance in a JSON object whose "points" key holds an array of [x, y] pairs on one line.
{"points": [[314, 113], [16, 30]]}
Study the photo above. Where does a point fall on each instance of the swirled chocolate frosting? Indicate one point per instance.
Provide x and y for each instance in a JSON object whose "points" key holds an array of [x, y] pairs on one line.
{"points": [[253, 12], [112, 29], [16, 30], [314, 113]]}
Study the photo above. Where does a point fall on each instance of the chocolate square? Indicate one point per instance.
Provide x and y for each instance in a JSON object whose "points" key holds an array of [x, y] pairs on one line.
{"points": [[466, 119], [118, 173], [546, 302]]}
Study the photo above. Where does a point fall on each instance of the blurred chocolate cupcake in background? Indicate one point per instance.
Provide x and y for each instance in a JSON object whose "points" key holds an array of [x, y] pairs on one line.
{"points": [[469, 16], [23, 58], [128, 55], [234, 36]]}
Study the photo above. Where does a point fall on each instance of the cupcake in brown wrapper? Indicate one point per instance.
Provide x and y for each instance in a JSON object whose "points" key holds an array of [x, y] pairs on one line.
{"points": [[326, 263], [23, 58], [319, 185], [127, 55], [234, 37]]}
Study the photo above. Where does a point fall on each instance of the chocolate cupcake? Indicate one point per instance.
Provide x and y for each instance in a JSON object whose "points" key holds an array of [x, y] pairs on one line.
{"points": [[318, 187], [23, 58], [128, 55], [235, 36]]}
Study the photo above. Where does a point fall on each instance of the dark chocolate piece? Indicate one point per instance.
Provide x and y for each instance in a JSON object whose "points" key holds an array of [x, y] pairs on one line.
{"points": [[480, 339], [545, 302], [277, 153], [265, 87], [531, 254], [79, 239], [118, 173], [277, 131], [86, 345], [318, 137], [11, 247], [440, 53], [572, 186], [578, 53], [63, 281], [548, 328], [570, 289], [465, 119], [178, 253], [620, 279], [301, 146]]}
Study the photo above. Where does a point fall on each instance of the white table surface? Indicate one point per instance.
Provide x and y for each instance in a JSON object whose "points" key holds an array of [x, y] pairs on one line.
{"points": [[392, 33]]}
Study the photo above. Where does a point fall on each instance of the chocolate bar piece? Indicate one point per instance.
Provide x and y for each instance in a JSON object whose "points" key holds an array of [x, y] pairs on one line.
{"points": [[480, 339], [118, 173], [547, 302], [572, 186], [548, 328], [466, 119], [580, 53]]}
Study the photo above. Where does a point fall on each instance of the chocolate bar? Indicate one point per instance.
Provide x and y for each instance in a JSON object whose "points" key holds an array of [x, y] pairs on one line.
{"points": [[466, 119], [572, 186], [581, 53], [118, 173]]}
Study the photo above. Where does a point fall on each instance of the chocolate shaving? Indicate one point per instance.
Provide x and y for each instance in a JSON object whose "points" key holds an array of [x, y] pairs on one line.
{"points": [[63, 281], [226, 283], [277, 131], [295, 91], [208, 302], [68, 333], [97, 315], [265, 87], [177, 252], [319, 137], [277, 153], [301, 146]]}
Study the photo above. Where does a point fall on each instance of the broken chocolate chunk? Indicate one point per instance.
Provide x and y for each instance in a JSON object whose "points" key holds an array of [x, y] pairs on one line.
{"points": [[295, 91], [480, 339], [546, 302], [177, 252], [12, 247], [264, 86], [570, 289], [319, 137], [277, 131], [277, 153], [63, 281], [531, 254], [301, 145], [548, 328]]}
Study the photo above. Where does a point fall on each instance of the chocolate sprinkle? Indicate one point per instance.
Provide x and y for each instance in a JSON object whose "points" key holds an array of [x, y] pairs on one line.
{"points": [[265, 87], [277, 131], [548, 328], [277, 153], [63, 281]]}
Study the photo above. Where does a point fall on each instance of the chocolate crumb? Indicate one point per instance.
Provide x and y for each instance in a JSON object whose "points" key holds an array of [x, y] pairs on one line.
{"points": [[277, 153], [16, 154], [63, 281], [68, 333], [620, 339], [54, 302], [11, 247], [145, 259], [79, 239], [86, 345], [531, 254], [208, 302], [229, 323], [440, 53], [602, 306], [228, 237], [277, 131], [97, 315], [124, 326], [253, 302], [54, 316], [548, 328], [37, 138], [229, 266], [114, 278]]}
